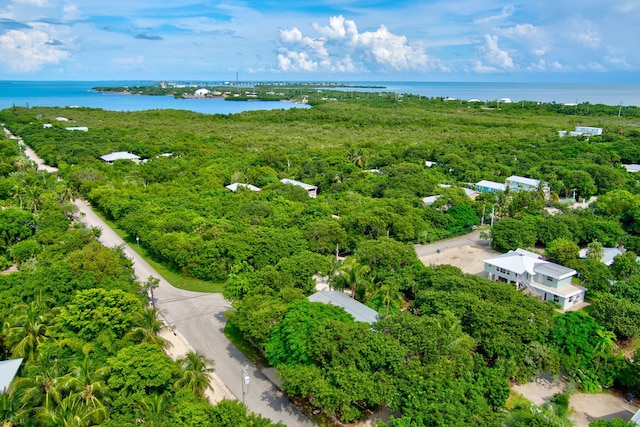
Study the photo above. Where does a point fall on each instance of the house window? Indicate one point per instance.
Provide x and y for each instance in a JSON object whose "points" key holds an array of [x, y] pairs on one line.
{"points": [[549, 279], [570, 299], [556, 298], [502, 270]]}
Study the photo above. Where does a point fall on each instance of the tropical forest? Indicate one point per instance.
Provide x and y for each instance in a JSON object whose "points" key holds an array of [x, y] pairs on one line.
{"points": [[447, 346]]}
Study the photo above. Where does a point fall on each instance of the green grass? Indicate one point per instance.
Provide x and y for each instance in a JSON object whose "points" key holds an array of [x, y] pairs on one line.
{"points": [[177, 280], [234, 335]]}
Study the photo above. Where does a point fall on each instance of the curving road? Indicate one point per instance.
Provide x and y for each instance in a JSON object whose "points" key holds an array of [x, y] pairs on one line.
{"points": [[199, 318]]}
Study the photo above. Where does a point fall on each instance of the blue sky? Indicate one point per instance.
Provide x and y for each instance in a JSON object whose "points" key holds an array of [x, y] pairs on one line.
{"points": [[340, 40]]}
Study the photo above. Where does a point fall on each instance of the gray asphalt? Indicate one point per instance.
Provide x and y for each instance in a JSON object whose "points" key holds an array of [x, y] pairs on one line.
{"points": [[199, 317]]}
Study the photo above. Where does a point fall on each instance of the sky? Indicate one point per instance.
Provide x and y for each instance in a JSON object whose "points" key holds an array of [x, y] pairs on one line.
{"points": [[321, 40]]}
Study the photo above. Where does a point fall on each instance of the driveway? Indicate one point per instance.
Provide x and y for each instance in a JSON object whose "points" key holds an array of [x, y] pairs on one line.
{"points": [[465, 252]]}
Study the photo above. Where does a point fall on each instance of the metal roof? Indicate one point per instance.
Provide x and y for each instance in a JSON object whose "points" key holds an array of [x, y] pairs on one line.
{"points": [[8, 370], [298, 183], [119, 155], [554, 270], [491, 184], [234, 187], [524, 180], [359, 311]]}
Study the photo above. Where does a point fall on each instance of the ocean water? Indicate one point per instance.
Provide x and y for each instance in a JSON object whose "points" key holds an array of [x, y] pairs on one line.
{"points": [[79, 93], [561, 93]]}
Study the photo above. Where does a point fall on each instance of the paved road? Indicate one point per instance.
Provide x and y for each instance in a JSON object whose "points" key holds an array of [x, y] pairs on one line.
{"points": [[455, 242], [199, 317]]}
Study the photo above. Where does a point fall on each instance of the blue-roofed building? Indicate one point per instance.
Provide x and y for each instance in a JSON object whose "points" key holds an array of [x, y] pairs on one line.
{"points": [[8, 370]]}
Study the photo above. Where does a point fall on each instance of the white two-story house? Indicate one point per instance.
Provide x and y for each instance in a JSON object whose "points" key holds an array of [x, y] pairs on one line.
{"points": [[543, 279]]}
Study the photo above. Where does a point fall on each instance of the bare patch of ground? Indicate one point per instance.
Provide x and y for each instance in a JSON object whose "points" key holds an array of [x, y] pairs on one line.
{"points": [[584, 407], [467, 258], [591, 407]]}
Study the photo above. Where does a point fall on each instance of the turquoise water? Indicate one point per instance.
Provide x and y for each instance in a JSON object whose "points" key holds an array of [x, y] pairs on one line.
{"points": [[78, 93]]}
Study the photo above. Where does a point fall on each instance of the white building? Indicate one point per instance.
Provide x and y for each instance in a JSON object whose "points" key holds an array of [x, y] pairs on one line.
{"points": [[234, 187], [516, 183], [119, 155], [312, 190], [543, 279], [490, 186]]}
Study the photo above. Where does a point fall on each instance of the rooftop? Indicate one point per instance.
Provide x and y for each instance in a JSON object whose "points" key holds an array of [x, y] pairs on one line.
{"points": [[119, 155], [359, 311], [298, 183], [8, 370], [234, 187], [554, 270], [491, 184], [524, 180]]}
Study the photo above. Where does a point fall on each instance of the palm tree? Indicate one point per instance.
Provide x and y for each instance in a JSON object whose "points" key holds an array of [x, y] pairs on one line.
{"points": [[41, 388], [70, 412], [388, 295], [352, 275], [154, 404], [605, 343], [10, 412], [356, 157], [27, 328], [194, 372], [150, 325], [87, 381]]}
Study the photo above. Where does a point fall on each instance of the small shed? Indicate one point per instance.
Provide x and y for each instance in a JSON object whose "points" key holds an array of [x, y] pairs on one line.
{"points": [[359, 311], [312, 190]]}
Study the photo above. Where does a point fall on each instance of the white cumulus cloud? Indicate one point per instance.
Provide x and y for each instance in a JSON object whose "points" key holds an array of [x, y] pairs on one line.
{"points": [[26, 51], [339, 46], [491, 58]]}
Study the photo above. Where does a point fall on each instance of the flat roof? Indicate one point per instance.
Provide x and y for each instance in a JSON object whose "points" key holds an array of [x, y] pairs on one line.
{"points": [[555, 270], [564, 292], [359, 311], [8, 370]]}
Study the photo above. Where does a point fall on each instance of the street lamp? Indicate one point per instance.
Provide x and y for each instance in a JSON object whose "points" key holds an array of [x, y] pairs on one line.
{"points": [[138, 241], [245, 382]]}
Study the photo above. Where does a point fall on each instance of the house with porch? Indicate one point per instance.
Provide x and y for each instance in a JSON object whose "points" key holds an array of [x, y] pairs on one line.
{"points": [[517, 183], [485, 186], [543, 279]]}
